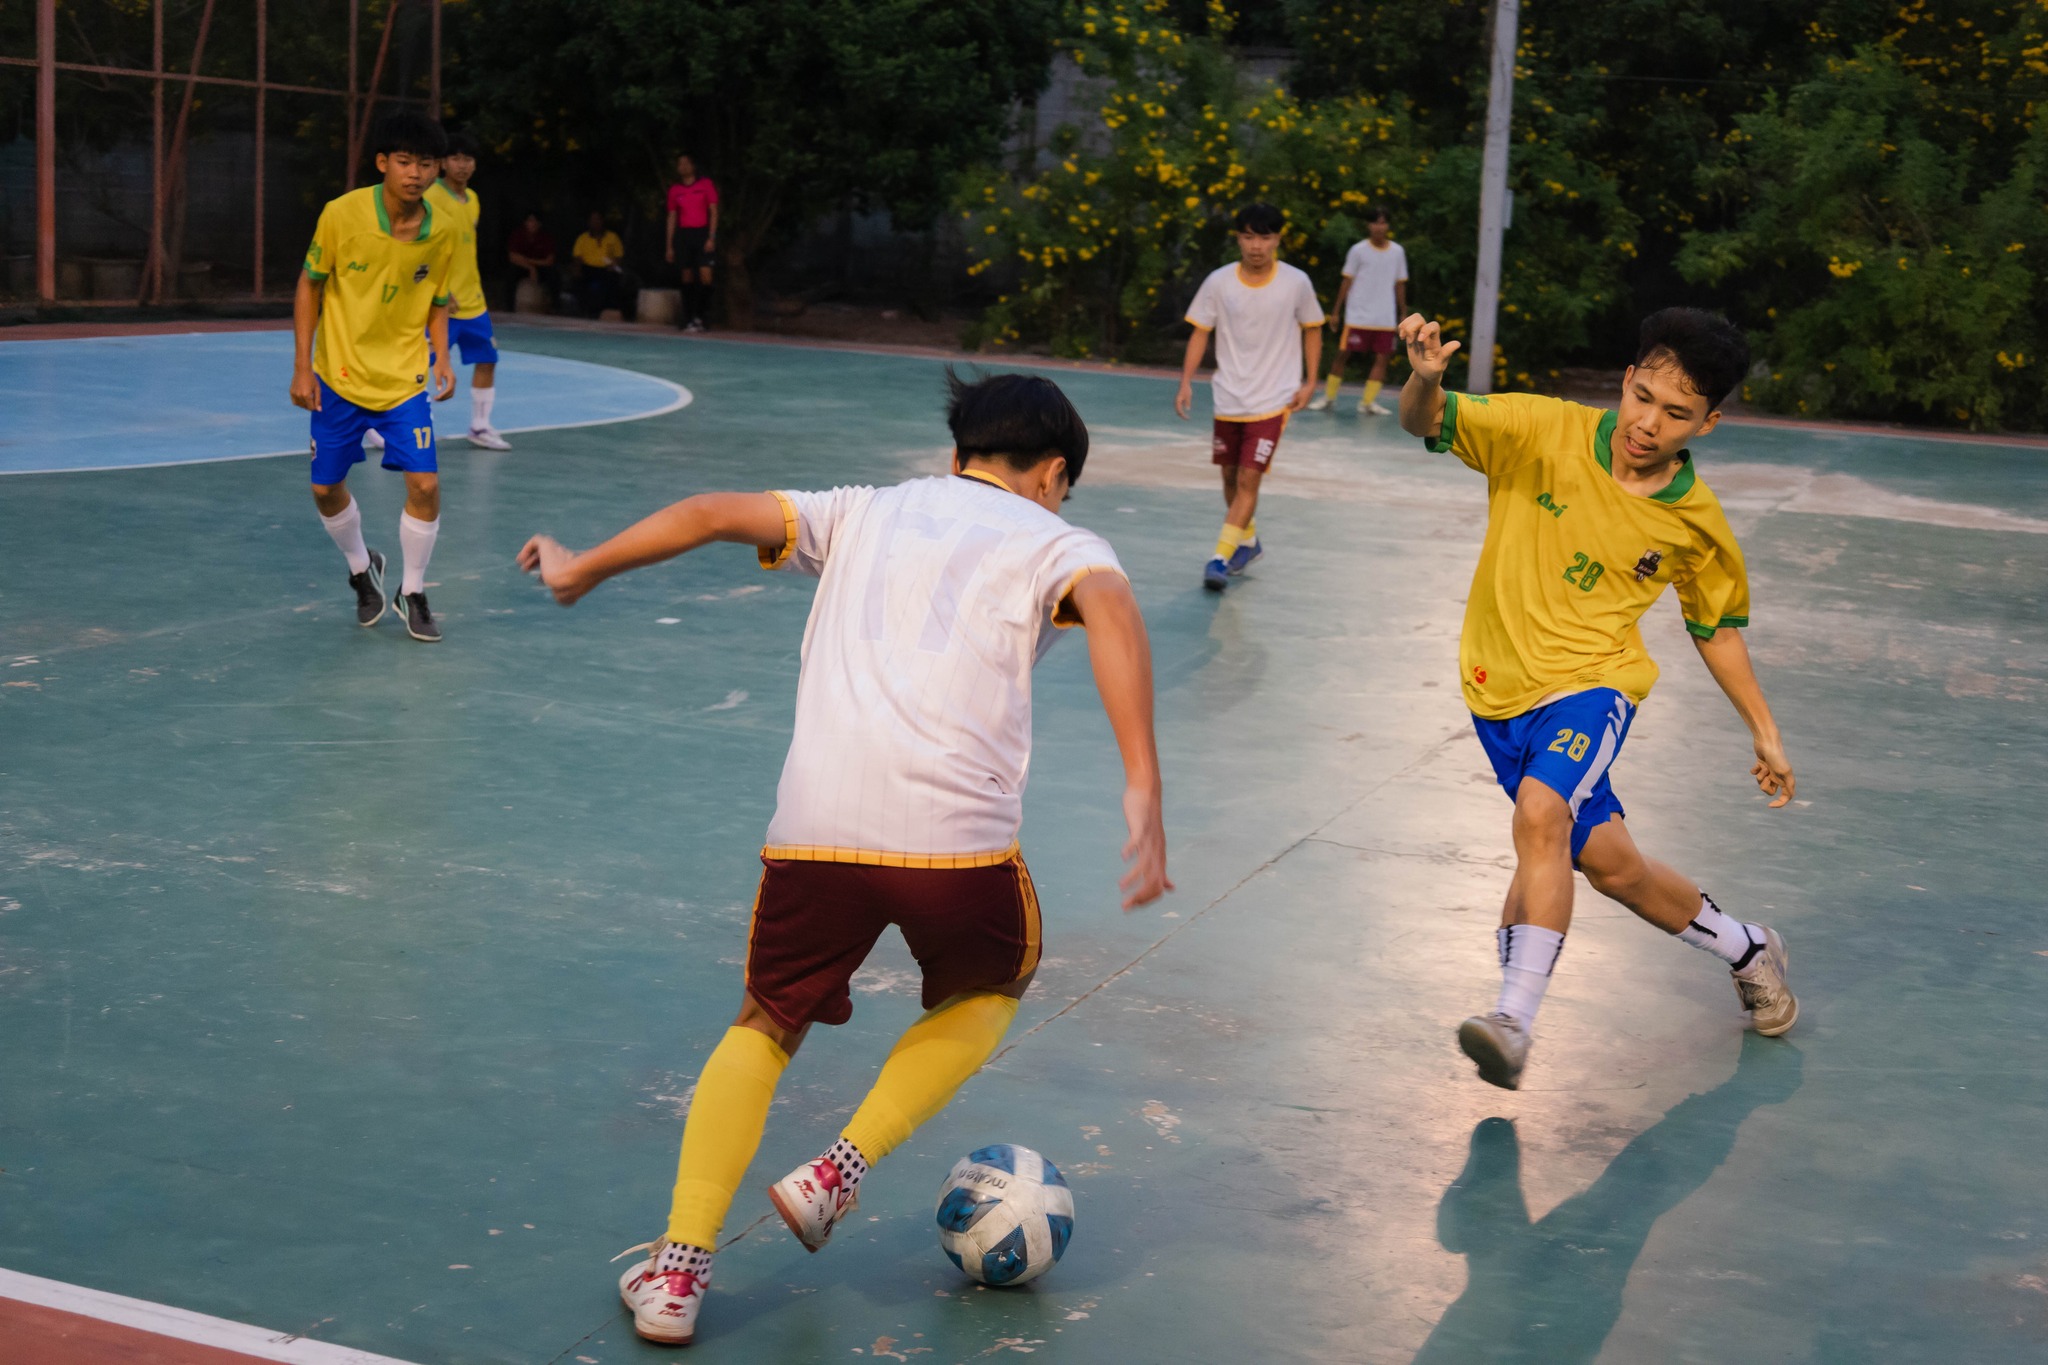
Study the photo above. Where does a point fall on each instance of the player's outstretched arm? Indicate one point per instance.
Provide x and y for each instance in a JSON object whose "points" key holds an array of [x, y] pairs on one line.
{"points": [[305, 317], [1122, 658], [1422, 397], [742, 518], [1727, 658]]}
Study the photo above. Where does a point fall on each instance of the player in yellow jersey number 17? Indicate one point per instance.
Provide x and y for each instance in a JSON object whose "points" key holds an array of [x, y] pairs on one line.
{"points": [[1591, 515], [373, 292]]}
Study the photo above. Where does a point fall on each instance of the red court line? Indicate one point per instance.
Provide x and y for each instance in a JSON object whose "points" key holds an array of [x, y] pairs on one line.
{"points": [[48, 1336], [49, 1322]]}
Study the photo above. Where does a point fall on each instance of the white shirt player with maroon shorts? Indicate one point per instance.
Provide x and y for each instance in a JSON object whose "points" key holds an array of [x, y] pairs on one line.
{"points": [[1369, 319], [902, 794], [1258, 356]]}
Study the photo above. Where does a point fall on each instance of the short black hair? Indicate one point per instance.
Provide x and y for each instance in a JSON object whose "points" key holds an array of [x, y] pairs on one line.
{"points": [[1263, 219], [461, 144], [410, 131], [1377, 213], [1020, 418], [1712, 351]]}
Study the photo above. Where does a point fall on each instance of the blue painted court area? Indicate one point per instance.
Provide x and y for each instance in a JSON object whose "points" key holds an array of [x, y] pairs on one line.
{"points": [[356, 988], [127, 401]]}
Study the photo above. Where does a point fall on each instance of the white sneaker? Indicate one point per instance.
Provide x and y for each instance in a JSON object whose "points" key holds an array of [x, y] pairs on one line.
{"points": [[1371, 410], [1772, 1006], [373, 439], [487, 438], [1499, 1044], [812, 1199], [664, 1307], [1319, 403]]}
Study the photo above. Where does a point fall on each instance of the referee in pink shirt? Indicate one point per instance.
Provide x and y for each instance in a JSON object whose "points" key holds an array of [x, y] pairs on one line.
{"points": [[692, 237]]}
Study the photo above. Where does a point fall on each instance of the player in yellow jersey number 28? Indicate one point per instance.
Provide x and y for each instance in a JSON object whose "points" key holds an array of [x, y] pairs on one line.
{"points": [[1591, 514]]}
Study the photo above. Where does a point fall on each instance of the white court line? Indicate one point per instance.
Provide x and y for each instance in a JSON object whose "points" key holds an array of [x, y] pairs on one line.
{"points": [[197, 1328], [683, 398]]}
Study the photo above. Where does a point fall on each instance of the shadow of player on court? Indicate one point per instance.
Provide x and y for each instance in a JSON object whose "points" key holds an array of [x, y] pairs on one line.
{"points": [[1550, 1290]]}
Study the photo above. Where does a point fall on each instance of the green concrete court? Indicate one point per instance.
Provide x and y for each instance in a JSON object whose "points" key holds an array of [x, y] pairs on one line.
{"points": [[354, 987]]}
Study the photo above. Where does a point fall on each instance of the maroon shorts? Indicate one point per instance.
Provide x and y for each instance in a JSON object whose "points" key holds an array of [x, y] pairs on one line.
{"points": [[1247, 445], [970, 929], [1376, 340]]}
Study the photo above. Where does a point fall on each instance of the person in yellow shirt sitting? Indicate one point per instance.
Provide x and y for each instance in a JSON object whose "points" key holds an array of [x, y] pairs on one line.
{"points": [[601, 259], [1591, 514]]}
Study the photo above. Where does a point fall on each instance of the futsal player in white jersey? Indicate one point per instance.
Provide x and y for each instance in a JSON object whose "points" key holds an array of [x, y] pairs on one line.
{"points": [[1269, 345], [1371, 300], [902, 794]]}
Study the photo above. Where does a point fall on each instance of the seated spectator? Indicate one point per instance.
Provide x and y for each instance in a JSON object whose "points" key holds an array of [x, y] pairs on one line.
{"points": [[601, 257], [532, 253]]}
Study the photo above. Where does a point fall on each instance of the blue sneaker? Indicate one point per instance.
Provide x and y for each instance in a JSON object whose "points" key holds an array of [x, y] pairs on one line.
{"points": [[1245, 556], [1215, 575]]}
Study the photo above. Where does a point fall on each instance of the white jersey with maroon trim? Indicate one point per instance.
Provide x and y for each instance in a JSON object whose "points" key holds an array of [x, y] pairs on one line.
{"points": [[913, 708]]}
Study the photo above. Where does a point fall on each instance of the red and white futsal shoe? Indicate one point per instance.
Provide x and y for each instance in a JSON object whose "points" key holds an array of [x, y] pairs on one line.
{"points": [[811, 1199], [664, 1304]]}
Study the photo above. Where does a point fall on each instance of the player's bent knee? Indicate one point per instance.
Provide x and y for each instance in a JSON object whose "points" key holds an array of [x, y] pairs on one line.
{"points": [[755, 1016]]}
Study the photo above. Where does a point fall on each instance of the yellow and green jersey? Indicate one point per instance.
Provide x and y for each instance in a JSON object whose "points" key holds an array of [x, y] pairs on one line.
{"points": [[372, 343], [465, 283], [1572, 559]]}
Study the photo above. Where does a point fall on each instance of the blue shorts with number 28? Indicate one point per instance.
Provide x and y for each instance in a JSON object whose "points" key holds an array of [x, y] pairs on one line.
{"points": [[1568, 746], [408, 432]]}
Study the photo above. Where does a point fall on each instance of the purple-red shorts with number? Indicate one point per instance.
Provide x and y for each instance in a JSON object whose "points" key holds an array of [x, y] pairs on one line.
{"points": [[970, 929], [1373, 340], [1247, 445]]}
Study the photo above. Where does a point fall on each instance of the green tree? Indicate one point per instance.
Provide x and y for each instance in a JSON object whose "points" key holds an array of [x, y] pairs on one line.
{"points": [[1100, 250], [1889, 231], [795, 107]]}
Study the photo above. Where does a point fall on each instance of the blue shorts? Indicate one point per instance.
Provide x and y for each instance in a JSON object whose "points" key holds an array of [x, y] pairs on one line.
{"points": [[408, 432], [1568, 746], [472, 339]]}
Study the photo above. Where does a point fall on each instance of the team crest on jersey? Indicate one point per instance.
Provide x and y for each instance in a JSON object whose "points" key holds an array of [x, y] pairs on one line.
{"points": [[1647, 565], [419, 275]]}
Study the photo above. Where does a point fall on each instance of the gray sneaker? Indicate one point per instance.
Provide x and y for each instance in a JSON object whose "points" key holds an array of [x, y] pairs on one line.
{"points": [[419, 621], [1773, 1009], [1499, 1044], [369, 586]]}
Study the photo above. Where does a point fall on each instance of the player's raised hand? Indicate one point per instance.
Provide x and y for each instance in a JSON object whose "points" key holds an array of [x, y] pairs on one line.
{"points": [[1428, 353], [555, 564], [1145, 851], [1773, 771]]}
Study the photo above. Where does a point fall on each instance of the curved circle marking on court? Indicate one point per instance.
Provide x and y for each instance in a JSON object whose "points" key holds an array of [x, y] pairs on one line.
{"points": [[139, 402]]}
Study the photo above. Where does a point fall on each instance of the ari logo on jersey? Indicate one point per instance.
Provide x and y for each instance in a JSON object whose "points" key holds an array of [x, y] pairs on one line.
{"points": [[1544, 501]]}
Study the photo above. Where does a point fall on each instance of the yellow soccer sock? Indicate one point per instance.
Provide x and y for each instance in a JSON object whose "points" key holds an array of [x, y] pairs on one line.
{"points": [[726, 1117], [1250, 532], [1372, 391], [1331, 386], [932, 1059], [1226, 543]]}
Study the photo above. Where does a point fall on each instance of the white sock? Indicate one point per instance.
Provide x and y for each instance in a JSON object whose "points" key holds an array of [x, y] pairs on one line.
{"points": [[1723, 935], [416, 540], [1527, 953], [480, 401], [679, 1256], [346, 527], [373, 439], [852, 1165]]}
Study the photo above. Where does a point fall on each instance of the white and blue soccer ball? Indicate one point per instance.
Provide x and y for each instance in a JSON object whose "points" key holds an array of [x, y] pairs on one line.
{"points": [[1005, 1214]]}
